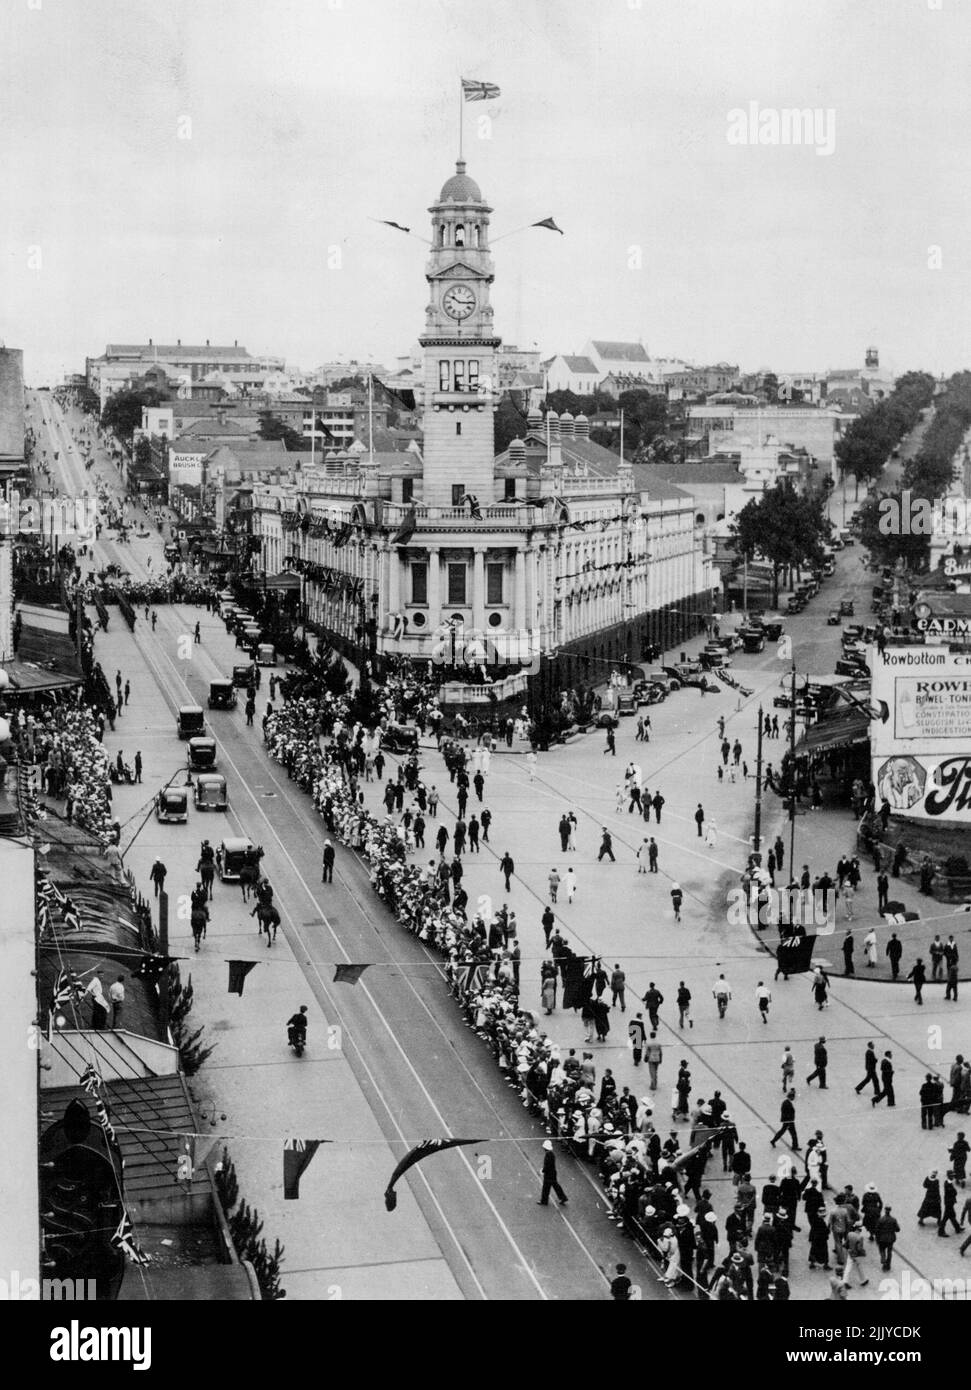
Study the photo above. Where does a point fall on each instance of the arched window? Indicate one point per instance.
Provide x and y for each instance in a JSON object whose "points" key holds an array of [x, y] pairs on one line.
{"points": [[475, 234], [441, 234], [699, 518], [459, 234]]}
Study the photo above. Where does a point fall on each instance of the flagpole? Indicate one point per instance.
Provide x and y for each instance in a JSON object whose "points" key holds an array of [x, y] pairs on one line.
{"points": [[461, 104], [370, 417]]}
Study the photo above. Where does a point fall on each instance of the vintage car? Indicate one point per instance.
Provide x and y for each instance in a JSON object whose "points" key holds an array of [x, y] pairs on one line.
{"points": [[250, 636], [655, 676], [626, 700], [398, 738], [846, 606], [201, 753], [753, 639], [191, 721], [266, 654], [222, 694], [233, 857], [245, 675], [209, 792], [833, 620], [172, 804], [687, 672]]}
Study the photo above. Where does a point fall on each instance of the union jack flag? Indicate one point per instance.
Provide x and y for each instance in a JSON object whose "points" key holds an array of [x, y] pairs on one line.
{"points": [[124, 1240], [89, 1080]]}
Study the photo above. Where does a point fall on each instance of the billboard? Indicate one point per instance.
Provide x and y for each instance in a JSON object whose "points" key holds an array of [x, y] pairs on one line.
{"points": [[185, 470], [922, 753]]}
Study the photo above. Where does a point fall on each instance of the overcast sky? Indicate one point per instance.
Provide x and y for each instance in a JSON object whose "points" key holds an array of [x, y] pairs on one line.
{"points": [[308, 117]]}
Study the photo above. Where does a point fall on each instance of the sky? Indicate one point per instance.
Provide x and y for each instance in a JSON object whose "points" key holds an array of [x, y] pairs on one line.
{"points": [[211, 171]]}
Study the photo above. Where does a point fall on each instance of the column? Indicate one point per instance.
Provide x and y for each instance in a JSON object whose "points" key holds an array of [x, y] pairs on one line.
{"points": [[434, 588], [394, 580], [478, 589], [519, 592]]}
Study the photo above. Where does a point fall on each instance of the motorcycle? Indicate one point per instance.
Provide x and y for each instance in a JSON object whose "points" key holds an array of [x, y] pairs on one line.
{"points": [[297, 1038]]}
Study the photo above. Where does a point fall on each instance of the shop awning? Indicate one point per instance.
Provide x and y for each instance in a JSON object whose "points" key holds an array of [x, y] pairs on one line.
{"points": [[842, 731]]}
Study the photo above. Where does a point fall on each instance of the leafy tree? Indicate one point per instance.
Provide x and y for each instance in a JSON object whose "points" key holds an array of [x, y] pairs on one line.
{"points": [[143, 452], [272, 427], [785, 527], [507, 425], [770, 385], [887, 548], [123, 411], [88, 400]]}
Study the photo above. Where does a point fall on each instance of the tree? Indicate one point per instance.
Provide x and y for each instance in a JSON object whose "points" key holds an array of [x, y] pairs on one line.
{"points": [[192, 1052], [143, 452], [770, 385], [787, 528], [88, 400], [272, 427], [123, 411], [507, 425], [888, 544]]}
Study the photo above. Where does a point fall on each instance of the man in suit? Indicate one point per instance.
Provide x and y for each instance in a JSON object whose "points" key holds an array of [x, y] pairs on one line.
{"points": [[886, 1082], [820, 1061], [870, 1066], [549, 1177], [787, 1115]]}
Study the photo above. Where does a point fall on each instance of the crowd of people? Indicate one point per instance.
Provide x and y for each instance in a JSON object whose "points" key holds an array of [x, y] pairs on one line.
{"points": [[63, 744]]}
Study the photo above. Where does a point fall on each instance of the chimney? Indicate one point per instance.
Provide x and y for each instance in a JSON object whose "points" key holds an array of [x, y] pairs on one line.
{"points": [[235, 342], [566, 425], [150, 342], [581, 427], [207, 342], [178, 342], [555, 458], [517, 453]]}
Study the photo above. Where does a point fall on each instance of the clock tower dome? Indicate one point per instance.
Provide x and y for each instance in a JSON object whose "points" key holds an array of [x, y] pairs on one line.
{"points": [[459, 346]]}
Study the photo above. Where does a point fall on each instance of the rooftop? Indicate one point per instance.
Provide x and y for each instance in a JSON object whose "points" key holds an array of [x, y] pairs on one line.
{"points": [[621, 352], [175, 349]]}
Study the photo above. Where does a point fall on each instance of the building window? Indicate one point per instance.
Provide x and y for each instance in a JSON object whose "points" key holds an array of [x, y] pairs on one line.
{"points": [[456, 585], [510, 492], [444, 375], [419, 583], [458, 426], [475, 234], [441, 236], [459, 376], [494, 583], [459, 235], [474, 374], [458, 492], [407, 489]]}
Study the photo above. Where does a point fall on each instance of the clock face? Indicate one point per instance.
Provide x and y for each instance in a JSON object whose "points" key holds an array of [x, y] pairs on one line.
{"points": [[458, 302]]}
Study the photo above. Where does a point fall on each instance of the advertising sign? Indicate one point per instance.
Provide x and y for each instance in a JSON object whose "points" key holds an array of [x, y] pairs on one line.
{"points": [[922, 754], [185, 470]]}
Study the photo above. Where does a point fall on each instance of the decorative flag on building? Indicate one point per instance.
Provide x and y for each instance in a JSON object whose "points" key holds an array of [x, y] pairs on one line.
{"points": [[397, 225], [577, 980], [68, 989], [297, 1156], [478, 91], [475, 511], [407, 528], [89, 1080], [124, 1240], [238, 970], [405, 397], [420, 1151], [548, 222], [348, 974], [104, 1120]]}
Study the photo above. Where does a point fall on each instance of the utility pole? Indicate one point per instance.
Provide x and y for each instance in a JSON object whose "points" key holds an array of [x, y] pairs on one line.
{"points": [[792, 769], [163, 946], [757, 835]]}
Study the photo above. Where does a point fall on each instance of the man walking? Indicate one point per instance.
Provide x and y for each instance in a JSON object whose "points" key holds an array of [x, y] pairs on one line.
{"points": [[618, 986], [138, 767], [157, 875], [700, 818], [550, 1182], [721, 993], [886, 1231], [606, 846], [328, 863], [820, 1060], [554, 882], [870, 1068], [787, 1116], [894, 951], [883, 892], [637, 1034], [507, 868], [684, 1005], [763, 997], [886, 1082], [652, 855], [918, 974], [653, 1056], [652, 1001]]}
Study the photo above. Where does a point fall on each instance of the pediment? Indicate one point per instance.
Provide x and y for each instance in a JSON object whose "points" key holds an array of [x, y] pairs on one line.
{"points": [[457, 271]]}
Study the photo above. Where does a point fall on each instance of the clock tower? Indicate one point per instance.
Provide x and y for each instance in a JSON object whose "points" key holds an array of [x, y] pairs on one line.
{"points": [[460, 347]]}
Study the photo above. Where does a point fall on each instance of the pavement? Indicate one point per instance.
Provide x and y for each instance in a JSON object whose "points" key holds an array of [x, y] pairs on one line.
{"points": [[404, 1066]]}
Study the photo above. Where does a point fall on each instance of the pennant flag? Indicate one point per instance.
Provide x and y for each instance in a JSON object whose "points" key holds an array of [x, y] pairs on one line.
{"points": [[548, 222], [89, 1080], [406, 397], [72, 918], [104, 1120], [475, 512], [407, 529], [238, 970], [478, 91], [124, 1240], [67, 989], [348, 974], [297, 1156], [420, 1151], [397, 225], [470, 978]]}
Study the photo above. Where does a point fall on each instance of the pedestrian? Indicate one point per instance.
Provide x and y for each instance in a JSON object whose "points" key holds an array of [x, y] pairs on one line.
{"points": [[606, 846], [820, 1062], [711, 834], [116, 996], [549, 921], [886, 1082], [930, 1207], [550, 1182], [787, 1116], [657, 801], [870, 1070], [618, 986], [620, 1285], [570, 882], [820, 988], [637, 1034], [485, 820], [683, 1000], [677, 897], [99, 1004], [327, 874], [918, 974], [721, 993], [893, 953], [138, 767], [506, 867], [641, 856], [699, 818], [652, 855], [198, 634], [886, 1230], [652, 1001], [554, 882], [883, 892], [950, 1197], [157, 876], [611, 747], [788, 1068], [763, 997], [127, 691], [848, 968], [653, 1056]]}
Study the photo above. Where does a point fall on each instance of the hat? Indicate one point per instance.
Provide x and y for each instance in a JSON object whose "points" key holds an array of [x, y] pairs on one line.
{"points": [[682, 1211], [737, 1259], [871, 1187], [710, 1216], [547, 1144], [648, 1211]]}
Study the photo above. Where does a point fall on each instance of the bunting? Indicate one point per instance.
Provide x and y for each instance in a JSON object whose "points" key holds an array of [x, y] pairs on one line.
{"points": [[415, 1155], [297, 1157], [124, 1240], [348, 974], [548, 222], [407, 529], [90, 1080], [238, 970]]}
